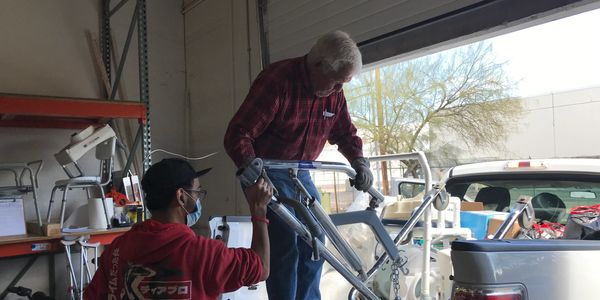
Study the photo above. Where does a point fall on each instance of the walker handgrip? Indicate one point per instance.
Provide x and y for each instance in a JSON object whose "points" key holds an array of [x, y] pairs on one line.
{"points": [[249, 174], [371, 191]]}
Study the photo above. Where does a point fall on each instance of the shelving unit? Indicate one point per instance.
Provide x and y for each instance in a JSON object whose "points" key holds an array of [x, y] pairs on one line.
{"points": [[138, 19], [30, 111], [27, 245], [34, 247], [54, 112]]}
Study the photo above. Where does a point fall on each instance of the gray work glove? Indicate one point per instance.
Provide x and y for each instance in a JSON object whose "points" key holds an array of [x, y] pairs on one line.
{"points": [[364, 177], [251, 170]]}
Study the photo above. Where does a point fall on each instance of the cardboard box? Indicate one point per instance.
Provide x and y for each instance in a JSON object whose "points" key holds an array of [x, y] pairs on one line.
{"points": [[401, 210], [495, 222], [471, 206], [46, 230]]}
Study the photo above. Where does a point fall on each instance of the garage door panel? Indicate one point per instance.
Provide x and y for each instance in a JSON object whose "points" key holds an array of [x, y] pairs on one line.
{"points": [[279, 12], [416, 15], [294, 25], [307, 27]]}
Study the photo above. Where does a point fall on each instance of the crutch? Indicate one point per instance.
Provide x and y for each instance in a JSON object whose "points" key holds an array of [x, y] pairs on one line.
{"points": [[83, 262], [73, 290]]}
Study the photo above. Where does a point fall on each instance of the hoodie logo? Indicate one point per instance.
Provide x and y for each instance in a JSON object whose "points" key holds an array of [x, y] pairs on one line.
{"points": [[137, 287]]}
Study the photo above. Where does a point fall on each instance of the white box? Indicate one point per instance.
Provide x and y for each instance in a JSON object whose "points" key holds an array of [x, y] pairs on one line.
{"points": [[133, 189]]}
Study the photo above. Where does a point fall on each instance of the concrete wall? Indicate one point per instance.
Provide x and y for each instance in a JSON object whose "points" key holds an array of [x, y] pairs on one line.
{"points": [[43, 51], [222, 57], [560, 124]]}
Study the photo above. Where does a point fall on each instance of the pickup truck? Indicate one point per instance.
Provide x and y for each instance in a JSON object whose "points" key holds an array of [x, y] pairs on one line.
{"points": [[527, 269]]}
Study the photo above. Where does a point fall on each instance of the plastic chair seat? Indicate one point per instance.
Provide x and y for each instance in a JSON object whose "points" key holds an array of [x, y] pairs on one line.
{"points": [[78, 181], [105, 151], [13, 165], [16, 190]]}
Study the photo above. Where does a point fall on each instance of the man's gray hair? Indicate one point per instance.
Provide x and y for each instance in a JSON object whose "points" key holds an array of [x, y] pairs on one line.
{"points": [[336, 50]]}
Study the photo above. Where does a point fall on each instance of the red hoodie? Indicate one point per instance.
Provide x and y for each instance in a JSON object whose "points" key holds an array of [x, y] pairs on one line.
{"points": [[168, 261]]}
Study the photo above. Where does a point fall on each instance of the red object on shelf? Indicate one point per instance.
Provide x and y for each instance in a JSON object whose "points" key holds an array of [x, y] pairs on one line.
{"points": [[119, 199], [55, 112]]}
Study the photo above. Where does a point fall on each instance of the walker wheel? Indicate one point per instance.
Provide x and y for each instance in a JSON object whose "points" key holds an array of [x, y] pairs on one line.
{"points": [[527, 217], [441, 201]]}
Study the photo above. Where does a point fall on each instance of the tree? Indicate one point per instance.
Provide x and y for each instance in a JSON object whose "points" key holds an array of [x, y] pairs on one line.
{"points": [[401, 107]]}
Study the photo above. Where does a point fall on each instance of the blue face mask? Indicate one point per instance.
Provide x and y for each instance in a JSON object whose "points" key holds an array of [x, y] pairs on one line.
{"points": [[194, 216]]}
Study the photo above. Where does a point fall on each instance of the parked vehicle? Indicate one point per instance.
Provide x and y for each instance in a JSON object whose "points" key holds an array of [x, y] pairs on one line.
{"points": [[548, 269]]}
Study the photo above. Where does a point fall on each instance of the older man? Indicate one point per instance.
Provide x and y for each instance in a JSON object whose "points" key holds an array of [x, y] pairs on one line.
{"points": [[294, 106]]}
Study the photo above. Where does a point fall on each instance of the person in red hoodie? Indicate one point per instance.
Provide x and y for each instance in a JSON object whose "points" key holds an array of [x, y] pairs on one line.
{"points": [[162, 258]]}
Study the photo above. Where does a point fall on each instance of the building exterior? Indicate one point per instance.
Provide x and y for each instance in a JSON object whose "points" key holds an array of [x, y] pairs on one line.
{"points": [[561, 124]]}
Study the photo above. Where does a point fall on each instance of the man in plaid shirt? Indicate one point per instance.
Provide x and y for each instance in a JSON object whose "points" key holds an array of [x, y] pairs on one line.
{"points": [[293, 107]]}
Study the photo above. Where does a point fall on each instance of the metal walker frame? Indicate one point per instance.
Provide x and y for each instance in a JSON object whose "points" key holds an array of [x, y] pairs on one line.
{"points": [[316, 220]]}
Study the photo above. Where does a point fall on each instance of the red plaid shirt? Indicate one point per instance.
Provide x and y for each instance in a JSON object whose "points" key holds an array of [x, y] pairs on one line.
{"points": [[281, 118]]}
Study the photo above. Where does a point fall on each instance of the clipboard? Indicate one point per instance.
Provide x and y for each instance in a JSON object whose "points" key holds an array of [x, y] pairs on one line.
{"points": [[12, 217]]}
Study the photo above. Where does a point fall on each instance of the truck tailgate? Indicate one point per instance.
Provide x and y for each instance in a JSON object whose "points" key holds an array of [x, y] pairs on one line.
{"points": [[549, 269]]}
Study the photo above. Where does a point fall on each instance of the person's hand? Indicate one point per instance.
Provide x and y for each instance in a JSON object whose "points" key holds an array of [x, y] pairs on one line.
{"points": [[364, 177], [249, 171], [258, 196]]}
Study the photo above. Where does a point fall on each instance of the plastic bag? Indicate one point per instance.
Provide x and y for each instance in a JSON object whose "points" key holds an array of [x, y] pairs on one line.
{"points": [[583, 221], [546, 231]]}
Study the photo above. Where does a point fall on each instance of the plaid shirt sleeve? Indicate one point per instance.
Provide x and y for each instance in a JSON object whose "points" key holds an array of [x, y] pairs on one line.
{"points": [[343, 133], [251, 119]]}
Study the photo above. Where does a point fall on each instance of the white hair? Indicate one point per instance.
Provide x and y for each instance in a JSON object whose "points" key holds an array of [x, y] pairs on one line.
{"points": [[336, 50]]}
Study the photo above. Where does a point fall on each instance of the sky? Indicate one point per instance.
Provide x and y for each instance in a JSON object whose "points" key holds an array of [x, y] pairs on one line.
{"points": [[556, 56]]}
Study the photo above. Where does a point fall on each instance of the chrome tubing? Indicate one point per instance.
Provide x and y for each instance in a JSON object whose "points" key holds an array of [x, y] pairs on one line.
{"points": [[418, 156], [402, 235], [289, 219], [423, 209], [330, 229], [318, 165], [522, 206], [338, 242], [510, 220], [336, 264], [303, 233], [422, 159]]}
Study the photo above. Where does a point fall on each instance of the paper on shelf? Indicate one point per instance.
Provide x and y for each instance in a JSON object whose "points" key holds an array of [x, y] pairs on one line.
{"points": [[12, 217]]}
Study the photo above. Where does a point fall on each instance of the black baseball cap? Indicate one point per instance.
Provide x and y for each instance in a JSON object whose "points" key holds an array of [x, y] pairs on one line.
{"points": [[168, 175]]}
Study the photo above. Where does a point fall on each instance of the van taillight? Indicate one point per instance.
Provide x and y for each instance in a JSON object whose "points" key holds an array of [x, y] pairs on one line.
{"points": [[488, 293]]}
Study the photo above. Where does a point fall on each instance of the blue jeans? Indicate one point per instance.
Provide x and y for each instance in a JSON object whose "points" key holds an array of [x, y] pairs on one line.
{"points": [[294, 275]]}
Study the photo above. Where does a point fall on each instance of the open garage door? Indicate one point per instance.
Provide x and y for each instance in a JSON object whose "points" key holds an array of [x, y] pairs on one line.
{"points": [[293, 25], [391, 28]]}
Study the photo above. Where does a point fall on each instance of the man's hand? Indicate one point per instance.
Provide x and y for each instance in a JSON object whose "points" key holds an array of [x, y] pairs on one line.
{"points": [[364, 177], [258, 196]]}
